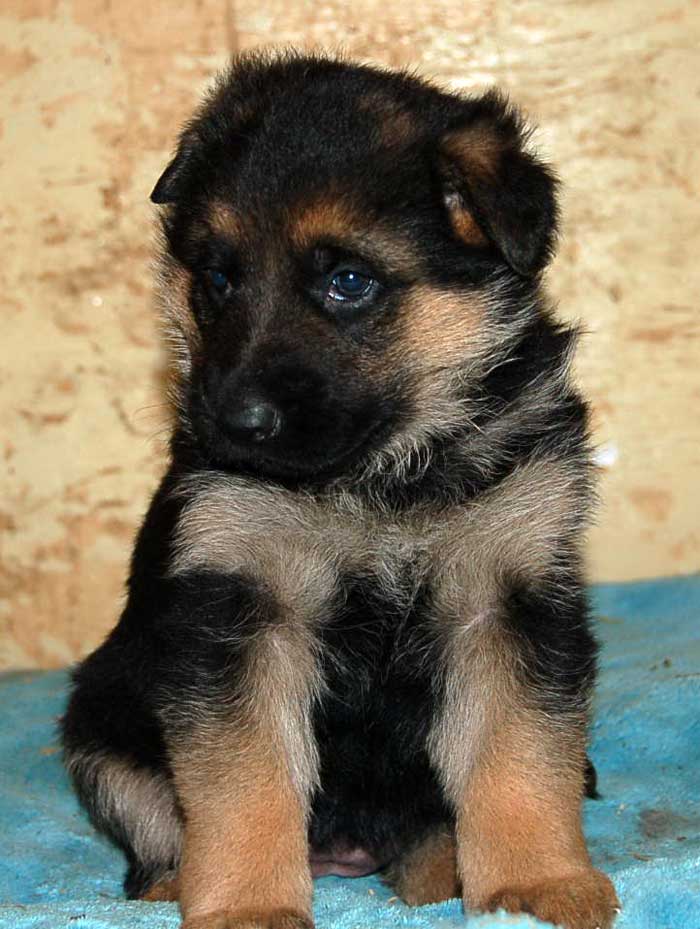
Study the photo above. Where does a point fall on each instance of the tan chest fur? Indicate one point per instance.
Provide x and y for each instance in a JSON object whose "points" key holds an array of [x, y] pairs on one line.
{"points": [[298, 545]]}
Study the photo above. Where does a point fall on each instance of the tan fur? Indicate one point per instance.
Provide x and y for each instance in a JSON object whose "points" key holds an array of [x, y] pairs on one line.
{"points": [[520, 804], [223, 220], [244, 760], [516, 779], [479, 668], [181, 333], [244, 782], [334, 217], [395, 126], [250, 919], [281, 687], [444, 343], [428, 873], [277, 693], [166, 890], [236, 525], [298, 544], [521, 808], [463, 222], [329, 216], [436, 410], [245, 849], [515, 530], [475, 150], [582, 900], [441, 328], [144, 802]]}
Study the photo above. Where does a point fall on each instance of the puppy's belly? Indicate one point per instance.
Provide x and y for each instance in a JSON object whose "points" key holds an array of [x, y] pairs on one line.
{"points": [[343, 862]]}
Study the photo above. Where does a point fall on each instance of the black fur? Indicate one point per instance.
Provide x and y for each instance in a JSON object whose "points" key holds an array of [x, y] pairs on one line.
{"points": [[378, 789], [273, 135]]}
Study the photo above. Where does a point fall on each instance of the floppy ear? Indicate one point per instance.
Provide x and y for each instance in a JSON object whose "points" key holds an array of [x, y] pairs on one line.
{"points": [[495, 189], [171, 184]]}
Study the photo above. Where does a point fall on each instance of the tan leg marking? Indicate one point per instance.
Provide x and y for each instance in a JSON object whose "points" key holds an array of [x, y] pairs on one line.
{"points": [[428, 873], [245, 854], [244, 784], [520, 844]]}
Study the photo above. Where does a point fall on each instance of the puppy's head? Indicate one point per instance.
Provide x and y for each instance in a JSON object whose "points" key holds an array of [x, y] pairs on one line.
{"points": [[347, 251]]}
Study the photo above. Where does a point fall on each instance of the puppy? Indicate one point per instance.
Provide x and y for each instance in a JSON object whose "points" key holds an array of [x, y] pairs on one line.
{"points": [[356, 636]]}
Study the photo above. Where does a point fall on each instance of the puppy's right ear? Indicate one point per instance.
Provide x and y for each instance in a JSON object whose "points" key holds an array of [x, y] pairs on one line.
{"points": [[172, 182]]}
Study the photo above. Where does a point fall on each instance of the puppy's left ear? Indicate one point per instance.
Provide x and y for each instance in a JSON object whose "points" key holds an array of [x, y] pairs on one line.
{"points": [[495, 189], [172, 182]]}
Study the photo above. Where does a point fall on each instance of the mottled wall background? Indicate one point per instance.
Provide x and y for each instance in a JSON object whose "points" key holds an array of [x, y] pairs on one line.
{"points": [[91, 94]]}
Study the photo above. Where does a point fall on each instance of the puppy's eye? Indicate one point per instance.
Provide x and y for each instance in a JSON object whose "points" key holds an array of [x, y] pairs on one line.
{"points": [[217, 280], [350, 286]]}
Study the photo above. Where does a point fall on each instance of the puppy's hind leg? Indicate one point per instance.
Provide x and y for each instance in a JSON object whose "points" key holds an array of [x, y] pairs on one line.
{"points": [[136, 806], [427, 872]]}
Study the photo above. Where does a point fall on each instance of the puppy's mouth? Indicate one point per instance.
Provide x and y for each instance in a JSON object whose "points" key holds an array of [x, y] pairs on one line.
{"points": [[275, 459]]}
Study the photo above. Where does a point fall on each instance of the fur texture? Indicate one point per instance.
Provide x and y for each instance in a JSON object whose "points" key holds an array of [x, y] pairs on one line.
{"points": [[356, 634]]}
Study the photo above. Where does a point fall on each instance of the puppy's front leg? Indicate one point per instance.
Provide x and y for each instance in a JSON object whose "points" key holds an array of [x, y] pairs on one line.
{"points": [[519, 838], [244, 761], [245, 862], [510, 748]]}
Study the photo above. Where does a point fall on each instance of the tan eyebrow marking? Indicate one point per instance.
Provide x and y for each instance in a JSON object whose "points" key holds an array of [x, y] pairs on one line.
{"points": [[223, 219]]}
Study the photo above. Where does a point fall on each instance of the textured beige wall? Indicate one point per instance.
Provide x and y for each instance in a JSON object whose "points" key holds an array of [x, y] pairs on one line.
{"points": [[91, 94]]}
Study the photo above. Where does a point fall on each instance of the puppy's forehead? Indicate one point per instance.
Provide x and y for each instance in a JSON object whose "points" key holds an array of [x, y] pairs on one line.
{"points": [[320, 218], [310, 136], [336, 118], [318, 163]]}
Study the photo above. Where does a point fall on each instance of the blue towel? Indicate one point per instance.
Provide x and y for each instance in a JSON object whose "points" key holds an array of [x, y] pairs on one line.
{"points": [[57, 873]]}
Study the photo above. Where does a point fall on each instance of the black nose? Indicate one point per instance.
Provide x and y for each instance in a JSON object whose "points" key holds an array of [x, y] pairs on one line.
{"points": [[252, 420]]}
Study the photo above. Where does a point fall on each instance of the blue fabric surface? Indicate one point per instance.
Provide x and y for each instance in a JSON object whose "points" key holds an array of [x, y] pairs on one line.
{"points": [[56, 872]]}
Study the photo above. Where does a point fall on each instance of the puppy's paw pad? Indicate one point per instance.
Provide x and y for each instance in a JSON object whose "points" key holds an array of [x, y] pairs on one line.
{"points": [[249, 919], [585, 900]]}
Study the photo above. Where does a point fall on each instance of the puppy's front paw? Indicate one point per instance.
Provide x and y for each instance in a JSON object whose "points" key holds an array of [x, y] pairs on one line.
{"points": [[249, 919], [584, 900]]}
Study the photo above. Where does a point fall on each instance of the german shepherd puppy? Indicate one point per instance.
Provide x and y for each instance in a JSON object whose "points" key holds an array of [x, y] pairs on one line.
{"points": [[356, 636]]}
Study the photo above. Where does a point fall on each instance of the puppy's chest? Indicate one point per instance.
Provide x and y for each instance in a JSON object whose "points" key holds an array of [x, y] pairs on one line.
{"points": [[304, 550], [335, 557]]}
